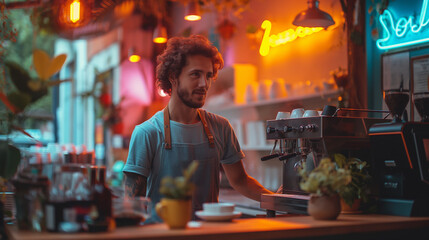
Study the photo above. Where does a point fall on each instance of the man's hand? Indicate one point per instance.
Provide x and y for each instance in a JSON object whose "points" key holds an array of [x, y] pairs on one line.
{"points": [[242, 182], [135, 185]]}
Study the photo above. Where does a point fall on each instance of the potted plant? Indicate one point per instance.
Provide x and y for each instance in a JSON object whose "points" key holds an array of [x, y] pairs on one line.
{"points": [[324, 184], [19, 91], [357, 190], [176, 206]]}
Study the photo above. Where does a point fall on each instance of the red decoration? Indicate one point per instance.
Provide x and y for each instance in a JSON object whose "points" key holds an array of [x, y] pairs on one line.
{"points": [[105, 100], [226, 29], [118, 128]]}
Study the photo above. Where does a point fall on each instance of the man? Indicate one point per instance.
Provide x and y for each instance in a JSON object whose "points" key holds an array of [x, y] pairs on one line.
{"points": [[165, 144]]}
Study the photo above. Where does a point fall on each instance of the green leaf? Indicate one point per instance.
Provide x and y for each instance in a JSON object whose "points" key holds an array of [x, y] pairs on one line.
{"points": [[10, 157], [19, 76], [19, 99], [190, 170], [179, 187], [340, 160]]}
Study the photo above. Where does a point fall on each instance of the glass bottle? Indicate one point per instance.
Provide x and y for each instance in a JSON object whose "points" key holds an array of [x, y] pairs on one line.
{"points": [[101, 217]]}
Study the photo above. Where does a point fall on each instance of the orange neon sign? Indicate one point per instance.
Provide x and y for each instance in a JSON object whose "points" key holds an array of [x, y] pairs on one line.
{"points": [[269, 41]]}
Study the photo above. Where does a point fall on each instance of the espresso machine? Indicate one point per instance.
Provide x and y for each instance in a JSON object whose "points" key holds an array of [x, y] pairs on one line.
{"points": [[400, 152], [309, 139]]}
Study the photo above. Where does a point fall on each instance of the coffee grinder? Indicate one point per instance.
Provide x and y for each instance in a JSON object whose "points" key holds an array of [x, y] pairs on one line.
{"points": [[400, 151]]}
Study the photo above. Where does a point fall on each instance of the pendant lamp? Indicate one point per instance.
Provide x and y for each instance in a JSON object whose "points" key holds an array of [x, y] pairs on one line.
{"points": [[132, 56], [160, 33], [313, 16], [193, 12]]}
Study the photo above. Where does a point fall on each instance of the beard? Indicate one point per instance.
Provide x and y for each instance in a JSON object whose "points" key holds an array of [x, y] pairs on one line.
{"points": [[186, 98]]}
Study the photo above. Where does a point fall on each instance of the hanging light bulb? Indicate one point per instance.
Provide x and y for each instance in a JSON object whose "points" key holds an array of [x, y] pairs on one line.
{"points": [[193, 12], [160, 33], [313, 16], [74, 13]]}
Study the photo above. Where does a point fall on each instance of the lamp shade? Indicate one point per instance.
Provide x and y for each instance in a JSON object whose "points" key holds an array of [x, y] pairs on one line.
{"points": [[160, 33], [193, 12], [313, 16], [132, 56]]}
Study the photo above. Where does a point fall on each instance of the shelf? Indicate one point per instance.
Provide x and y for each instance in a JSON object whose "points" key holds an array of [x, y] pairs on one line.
{"points": [[249, 120], [257, 148], [332, 94]]}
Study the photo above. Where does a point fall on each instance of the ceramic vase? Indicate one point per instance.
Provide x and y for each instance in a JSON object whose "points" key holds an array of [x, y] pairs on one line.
{"points": [[324, 207]]}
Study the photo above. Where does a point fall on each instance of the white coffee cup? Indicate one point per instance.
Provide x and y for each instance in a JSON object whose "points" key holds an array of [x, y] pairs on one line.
{"points": [[288, 88], [277, 89], [262, 91], [282, 115], [250, 94], [297, 113], [218, 208], [310, 113]]}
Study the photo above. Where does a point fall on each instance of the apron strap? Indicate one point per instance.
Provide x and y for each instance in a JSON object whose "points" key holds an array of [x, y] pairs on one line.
{"points": [[167, 129], [206, 129]]}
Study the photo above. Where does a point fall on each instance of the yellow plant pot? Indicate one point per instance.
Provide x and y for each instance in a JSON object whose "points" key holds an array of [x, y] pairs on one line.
{"points": [[175, 213]]}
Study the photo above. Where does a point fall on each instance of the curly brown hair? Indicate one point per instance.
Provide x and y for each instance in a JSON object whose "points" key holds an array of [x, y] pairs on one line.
{"points": [[173, 59]]}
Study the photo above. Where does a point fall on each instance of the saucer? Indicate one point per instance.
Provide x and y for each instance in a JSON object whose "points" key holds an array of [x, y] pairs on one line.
{"points": [[217, 217]]}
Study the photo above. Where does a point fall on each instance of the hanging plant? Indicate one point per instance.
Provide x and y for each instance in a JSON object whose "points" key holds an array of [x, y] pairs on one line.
{"points": [[8, 33], [376, 8]]}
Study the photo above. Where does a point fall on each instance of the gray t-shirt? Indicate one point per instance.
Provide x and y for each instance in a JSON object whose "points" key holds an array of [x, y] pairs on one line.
{"points": [[148, 157]]}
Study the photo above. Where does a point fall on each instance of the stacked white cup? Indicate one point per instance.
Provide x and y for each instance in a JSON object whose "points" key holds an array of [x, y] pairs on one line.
{"points": [[310, 113], [282, 115], [297, 113]]}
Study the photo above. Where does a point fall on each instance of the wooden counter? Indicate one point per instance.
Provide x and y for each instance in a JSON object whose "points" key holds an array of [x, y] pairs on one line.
{"points": [[301, 227]]}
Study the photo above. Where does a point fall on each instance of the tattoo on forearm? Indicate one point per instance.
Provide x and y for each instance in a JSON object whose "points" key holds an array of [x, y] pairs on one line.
{"points": [[135, 185]]}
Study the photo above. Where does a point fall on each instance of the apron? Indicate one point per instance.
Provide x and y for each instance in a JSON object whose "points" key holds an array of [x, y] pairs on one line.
{"points": [[178, 156]]}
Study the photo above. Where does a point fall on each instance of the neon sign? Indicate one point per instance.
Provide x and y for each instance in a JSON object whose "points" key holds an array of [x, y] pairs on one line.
{"points": [[405, 32], [269, 41]]}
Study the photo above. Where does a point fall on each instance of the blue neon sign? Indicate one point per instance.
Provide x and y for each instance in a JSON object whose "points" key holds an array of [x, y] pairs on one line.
{"points": [[405, 31]]}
